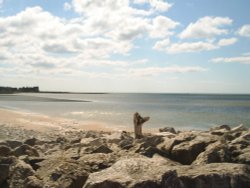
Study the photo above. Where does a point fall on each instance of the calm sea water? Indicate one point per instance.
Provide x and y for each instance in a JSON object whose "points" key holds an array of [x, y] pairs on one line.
{"points": [[182, 111]]}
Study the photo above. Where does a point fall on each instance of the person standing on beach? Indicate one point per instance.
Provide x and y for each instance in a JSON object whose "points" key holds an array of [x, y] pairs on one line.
{"points": [[138, 122]]}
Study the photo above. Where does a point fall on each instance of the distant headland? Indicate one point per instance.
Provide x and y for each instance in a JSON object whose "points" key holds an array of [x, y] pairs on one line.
{"points": [[10, 90], [13, 90]]}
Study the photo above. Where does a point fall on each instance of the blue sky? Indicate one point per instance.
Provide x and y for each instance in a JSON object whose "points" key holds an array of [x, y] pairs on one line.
{"points": [[191, 46]]}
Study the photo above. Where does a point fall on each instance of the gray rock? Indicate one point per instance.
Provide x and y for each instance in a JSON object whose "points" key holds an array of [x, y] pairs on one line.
{"points": [[26, 150], [33, 182], [62, 173], [214, 153], [19, 171], [33, 141], [168, 129], [227, 127], [241, 127], [125, 144], [5, 151], [13, 143], [102, 149], [215, 175], [97, 161], [186, 152], [4, 173], [134, 172]]}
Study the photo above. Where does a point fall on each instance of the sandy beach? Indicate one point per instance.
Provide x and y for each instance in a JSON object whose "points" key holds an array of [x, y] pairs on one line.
{"points": [[43, 123]]}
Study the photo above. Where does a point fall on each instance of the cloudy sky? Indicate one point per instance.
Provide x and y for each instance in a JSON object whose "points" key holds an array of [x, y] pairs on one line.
{"points": [[200, 46]]}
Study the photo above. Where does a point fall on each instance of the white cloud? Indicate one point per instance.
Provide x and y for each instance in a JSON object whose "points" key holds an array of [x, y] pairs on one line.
{"points": [[161, 45], [244, 31], [161, 27], [153, 71], [187, 47], [184, 47], [206, 27], [240, 59], [227, 42]]}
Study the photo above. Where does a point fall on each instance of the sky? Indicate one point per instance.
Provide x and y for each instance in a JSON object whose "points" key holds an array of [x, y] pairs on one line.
{"points": [[173, 46]]}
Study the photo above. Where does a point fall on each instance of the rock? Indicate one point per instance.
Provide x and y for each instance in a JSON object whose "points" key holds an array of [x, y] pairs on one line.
{"points": [[168, 129], [102, 149], [134, 172], [33, 141], [226, 127], [240, 148], [19, 171], [97, 161], [97, 142], [13, 143], [33, 182], [61, 140], [26, 150], [4, 173], [241, 127], [214, 153], [215, 175], [62, 172], [126, 144], [5, 151], [75, 141], [243, 157], [152, 141], [33, 161], [186, 152]]}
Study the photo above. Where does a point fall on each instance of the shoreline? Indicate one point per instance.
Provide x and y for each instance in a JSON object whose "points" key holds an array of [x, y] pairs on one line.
{"points": [[30, 121]]}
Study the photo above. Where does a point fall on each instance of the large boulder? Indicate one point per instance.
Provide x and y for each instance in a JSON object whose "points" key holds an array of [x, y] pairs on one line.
{"points": [[186, 152], [58, 171], [215, 175], [18, 173], [135, 172], [215, 153]]}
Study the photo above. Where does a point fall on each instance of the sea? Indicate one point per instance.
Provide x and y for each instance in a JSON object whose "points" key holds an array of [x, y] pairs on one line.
{"points": [[181, 111]]}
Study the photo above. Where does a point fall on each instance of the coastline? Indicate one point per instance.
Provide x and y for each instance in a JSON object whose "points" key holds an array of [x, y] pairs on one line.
{"points": [[56, 152]]}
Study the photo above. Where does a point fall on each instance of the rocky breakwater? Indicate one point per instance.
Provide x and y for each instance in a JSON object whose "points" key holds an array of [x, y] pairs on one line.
{"points": [[218, 158]]}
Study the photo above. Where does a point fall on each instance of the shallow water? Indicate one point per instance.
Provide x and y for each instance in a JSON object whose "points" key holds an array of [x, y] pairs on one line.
{"points": [[183, 111]]}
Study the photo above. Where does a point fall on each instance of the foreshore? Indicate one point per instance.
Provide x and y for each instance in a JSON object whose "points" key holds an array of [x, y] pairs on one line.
{"points": [[38, 151]]}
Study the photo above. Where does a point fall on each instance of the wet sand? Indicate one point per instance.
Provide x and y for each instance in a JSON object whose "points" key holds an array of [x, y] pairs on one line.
{"points": [[43, 123]]}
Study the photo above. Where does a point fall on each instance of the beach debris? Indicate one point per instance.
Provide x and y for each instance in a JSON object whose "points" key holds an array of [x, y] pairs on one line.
{"points": [[138, 122]]}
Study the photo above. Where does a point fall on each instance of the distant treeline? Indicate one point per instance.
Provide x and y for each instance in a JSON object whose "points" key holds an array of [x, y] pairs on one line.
{"points": [[8, 90]]}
